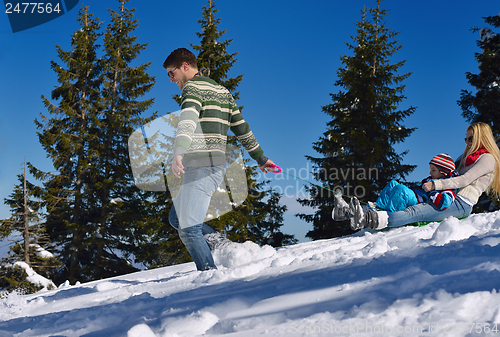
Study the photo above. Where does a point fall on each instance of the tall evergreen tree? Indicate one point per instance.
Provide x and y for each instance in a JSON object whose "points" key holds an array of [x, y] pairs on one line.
{"points": [[161, 244], [242, 223], [484, 104], [212, 52], [357, 151], [92, 204], [66, 138], [121, 224]]}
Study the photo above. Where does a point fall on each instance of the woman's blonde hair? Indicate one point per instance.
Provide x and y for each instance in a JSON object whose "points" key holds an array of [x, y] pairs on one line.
{"points": [[482, 136]]}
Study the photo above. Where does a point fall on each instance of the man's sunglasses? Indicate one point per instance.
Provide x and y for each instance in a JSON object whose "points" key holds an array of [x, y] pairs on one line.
{"points": [[171, 72]]}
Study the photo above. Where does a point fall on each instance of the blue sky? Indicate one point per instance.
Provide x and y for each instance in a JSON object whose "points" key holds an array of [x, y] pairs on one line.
{"points": [[289, 53]]}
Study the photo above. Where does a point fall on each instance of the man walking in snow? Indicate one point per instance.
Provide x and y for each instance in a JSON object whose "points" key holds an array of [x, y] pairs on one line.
{"points": [[199, 152]]}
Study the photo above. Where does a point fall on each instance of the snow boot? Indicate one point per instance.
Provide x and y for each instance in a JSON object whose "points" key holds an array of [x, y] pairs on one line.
{"points": [[367, 218], [357, 214], [216, 241], [341, 210]]}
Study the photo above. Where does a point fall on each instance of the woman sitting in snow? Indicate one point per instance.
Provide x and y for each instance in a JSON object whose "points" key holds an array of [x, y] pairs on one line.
{"points": [[396, 197], [479, 171]]}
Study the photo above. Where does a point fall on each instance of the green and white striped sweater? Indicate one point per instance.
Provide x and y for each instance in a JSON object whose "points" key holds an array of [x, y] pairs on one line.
{"points": [[208, 110]]}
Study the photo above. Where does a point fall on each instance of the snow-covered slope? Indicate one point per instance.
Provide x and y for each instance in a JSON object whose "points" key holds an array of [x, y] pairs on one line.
{"points": [[437, 280]]}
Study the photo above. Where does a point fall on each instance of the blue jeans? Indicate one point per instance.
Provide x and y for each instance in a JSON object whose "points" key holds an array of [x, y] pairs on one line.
{"points": [[427, 212], [190, 208]]}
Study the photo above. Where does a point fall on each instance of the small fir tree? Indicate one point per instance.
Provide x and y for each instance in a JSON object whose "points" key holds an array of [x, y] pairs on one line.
{"points": [[267, 231], [25, 223], [24, 210]]}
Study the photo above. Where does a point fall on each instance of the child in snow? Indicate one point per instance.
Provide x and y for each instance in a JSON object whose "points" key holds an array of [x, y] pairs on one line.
{"points": [[396, 197], [479, 172]]}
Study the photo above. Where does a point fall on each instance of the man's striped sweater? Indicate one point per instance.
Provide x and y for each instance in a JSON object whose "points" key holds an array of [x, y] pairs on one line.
{"points": [[208, 110]]}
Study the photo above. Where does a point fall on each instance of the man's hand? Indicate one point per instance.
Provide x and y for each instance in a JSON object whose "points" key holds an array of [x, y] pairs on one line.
{"points": [[267, 167], [428, 186], [177, 167]]}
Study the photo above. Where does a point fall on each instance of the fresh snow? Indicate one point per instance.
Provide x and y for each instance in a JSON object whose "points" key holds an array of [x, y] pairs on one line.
{"points": [[41, 252], [438, 280], [33, 277]]}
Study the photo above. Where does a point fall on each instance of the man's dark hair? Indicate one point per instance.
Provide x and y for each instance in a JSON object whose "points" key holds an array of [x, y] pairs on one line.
{"points": [[178, 57]]}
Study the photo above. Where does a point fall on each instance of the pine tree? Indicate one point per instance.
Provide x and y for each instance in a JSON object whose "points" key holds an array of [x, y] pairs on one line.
{"points": [[67, 139], [358, 158], [242, 223], [25, 223], [212, 52], [268, 231], [161, 245], [123, 86], [94, 210], [483, 106], [24, 211]]}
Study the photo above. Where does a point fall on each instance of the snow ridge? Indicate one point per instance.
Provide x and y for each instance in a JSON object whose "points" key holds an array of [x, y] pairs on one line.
{"points": [[440, 279]]}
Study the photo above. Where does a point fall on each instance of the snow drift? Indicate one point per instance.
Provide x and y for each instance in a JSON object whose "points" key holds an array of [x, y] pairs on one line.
{"points": [[441, 279]]}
